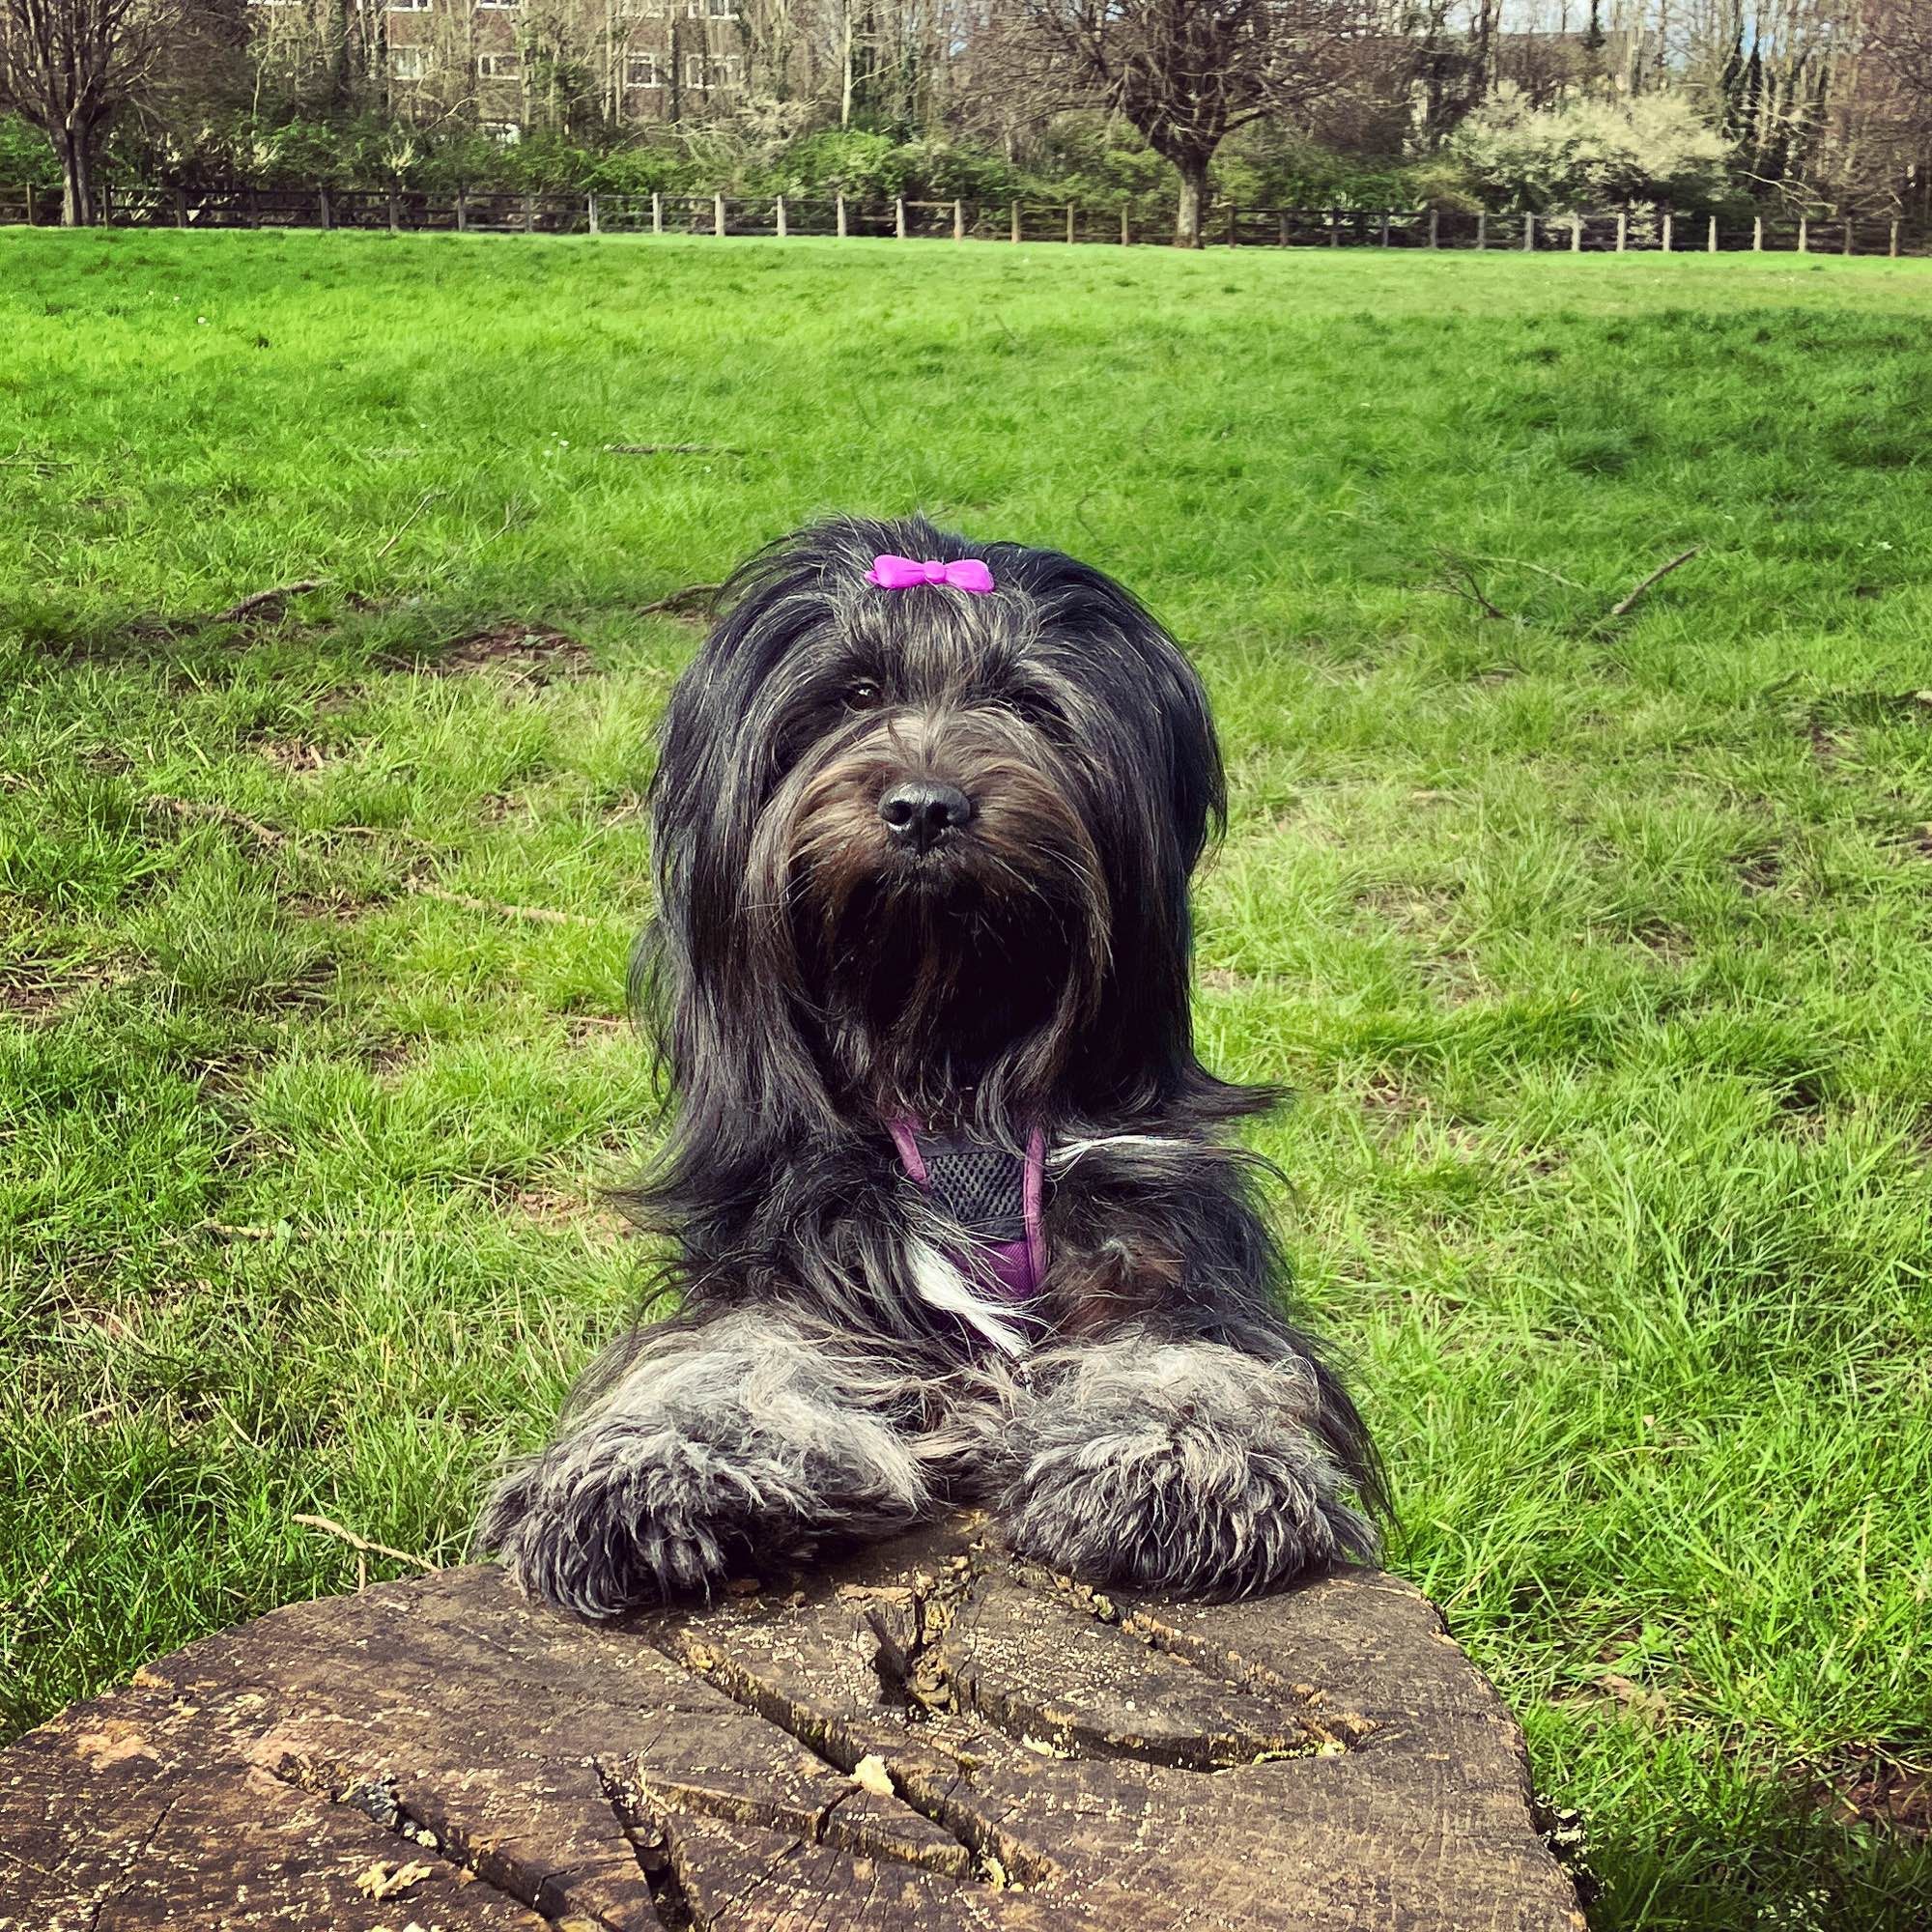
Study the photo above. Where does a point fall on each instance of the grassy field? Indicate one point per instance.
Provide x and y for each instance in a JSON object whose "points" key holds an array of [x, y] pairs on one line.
{"points": [[1595, 947]]}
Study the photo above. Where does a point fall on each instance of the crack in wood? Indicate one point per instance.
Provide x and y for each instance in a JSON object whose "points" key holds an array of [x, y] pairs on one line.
{"points": [[647, 1801], [932, 1675], [997, 1857], [379, 1801], [140, 1851], [651, 1845], [1346, 1728]]}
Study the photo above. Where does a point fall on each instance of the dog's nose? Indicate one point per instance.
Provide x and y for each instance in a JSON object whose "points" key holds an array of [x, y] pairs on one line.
{"points": [[919, 813]]}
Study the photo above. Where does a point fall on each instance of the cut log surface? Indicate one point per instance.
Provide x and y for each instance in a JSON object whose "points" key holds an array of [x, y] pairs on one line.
{"points": [[929, 1736]]}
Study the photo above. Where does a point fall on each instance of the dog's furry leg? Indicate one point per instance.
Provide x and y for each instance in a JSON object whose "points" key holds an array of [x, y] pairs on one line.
{"points": [[1176, 1466], [734, 1439]]}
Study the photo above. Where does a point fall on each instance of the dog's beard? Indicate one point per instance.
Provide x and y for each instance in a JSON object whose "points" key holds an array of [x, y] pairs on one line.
{"points": [[954, 982]]}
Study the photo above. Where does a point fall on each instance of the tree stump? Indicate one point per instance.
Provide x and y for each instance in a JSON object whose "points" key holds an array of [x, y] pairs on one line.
{"points": [[929, 1735]]}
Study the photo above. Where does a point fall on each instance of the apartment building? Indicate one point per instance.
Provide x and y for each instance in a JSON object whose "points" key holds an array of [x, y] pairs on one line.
{"points": [[513, 63]]}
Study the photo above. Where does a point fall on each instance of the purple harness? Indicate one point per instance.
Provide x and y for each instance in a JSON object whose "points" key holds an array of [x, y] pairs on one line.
{"points": [[993, 1197]]}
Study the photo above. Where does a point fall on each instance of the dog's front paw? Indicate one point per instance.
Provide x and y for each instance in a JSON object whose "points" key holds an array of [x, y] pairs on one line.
{"points": [[619, 1517], [1181, 1469], [738, 1452]]}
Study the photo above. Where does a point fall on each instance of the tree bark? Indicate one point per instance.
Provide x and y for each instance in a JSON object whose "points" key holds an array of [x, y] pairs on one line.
{"points": [[1193, 202], [76, 158]]}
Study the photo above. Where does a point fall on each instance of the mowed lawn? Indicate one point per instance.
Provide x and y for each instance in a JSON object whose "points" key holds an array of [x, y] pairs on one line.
{"points": [[1595, 948]]}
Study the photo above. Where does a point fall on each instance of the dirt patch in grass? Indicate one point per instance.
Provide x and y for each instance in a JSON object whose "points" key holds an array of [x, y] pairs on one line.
{"points": [[1666, 942], [338, 905], [1227, 979], [526, 653], [553, 1209], [295, 756], [1759, 872], [1870, 1784], [35, 987], [1398, 1112]]}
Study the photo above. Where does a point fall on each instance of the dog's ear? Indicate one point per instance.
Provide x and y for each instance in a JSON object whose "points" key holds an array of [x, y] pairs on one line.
{"points": [[717, 1012], [1158, 693]]}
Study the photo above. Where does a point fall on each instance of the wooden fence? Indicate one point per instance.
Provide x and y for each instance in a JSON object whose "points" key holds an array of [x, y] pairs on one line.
{"points": [[405, 210]]}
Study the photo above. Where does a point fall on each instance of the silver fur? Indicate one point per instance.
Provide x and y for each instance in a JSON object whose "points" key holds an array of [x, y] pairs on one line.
{"points": [[747, 1439], [1181, 1466]]}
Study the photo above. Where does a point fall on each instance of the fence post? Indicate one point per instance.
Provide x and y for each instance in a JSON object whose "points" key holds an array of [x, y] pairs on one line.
{"points": [[1804, 234], [778, 217], [181, 208], [1623, 230], [463, 212], [1016, 221], [1436, 228], [657, 211], [30, 205], [1386, 229], [717, 215], [1710, 243], [1334, 228], [106, 205], [529, 214], [252, 206], [1669, 222], [1281, 220], [590, 214], [323, 209], [1233, 232], [1576, 234], [1483, 229], [395, 213], [1529, 234], [1070, 224], [1848, 236], [959, 222], [1893, 248], [1757, 234], [899, 217], [1127, 232]]}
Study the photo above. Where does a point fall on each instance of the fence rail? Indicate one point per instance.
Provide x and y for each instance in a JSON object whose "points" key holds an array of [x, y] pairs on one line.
{"points": [[409, 210]]}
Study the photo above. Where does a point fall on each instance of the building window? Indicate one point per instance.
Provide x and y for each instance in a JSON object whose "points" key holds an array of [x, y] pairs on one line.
{"points": [[705, 71], [642, 10], [712, 10], [642, 71], [498, 66], [483, 3], [408, 63], [409, 6], [505, 133]]}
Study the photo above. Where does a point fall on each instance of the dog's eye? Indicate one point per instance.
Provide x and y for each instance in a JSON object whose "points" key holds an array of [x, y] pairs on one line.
{"points": [[862, 694]]}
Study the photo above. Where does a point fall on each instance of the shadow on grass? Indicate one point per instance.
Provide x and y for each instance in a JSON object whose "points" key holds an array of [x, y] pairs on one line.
{"points": [[1757, 1854]]}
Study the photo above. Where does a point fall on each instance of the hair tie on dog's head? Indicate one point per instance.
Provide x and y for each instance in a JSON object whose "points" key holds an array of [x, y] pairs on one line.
{"points": [[902, 573]]}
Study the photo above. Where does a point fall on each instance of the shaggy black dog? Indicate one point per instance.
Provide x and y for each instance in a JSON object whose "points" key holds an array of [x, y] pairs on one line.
{"points": [[950, 1214]]}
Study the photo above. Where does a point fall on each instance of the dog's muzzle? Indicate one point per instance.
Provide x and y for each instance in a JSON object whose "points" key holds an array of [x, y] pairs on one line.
{"points": [[919, 813]]}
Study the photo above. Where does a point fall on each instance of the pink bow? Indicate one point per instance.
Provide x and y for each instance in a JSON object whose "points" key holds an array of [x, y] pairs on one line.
{"points": [[901, 573]]}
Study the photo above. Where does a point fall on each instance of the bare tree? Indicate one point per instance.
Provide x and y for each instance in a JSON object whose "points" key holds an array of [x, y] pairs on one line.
{"points": [[70, 65], [1188, 72]]}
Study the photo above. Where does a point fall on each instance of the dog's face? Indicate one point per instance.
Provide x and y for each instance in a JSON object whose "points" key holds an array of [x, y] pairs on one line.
{"points": [[950, 833]]}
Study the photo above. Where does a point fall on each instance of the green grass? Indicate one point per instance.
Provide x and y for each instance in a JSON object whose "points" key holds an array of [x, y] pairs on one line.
{"points": [[1594, 950]]}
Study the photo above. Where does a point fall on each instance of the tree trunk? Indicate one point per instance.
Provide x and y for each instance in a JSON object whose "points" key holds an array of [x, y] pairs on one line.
{"points": [[928, 1739], [1193, 201], [76, 158]]}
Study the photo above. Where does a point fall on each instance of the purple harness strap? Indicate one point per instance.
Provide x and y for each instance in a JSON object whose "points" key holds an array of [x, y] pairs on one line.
{"points": [[1012, 1270]]}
